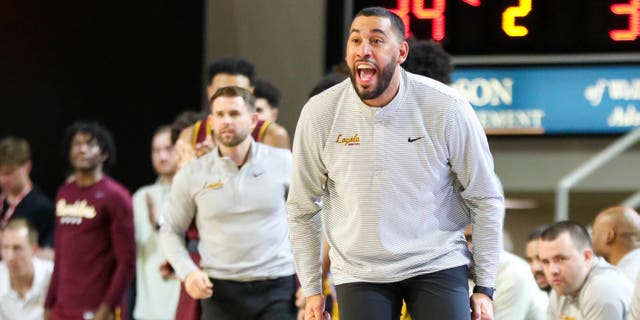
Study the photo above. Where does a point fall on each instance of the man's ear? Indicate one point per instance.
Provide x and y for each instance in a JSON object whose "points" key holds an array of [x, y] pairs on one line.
{"points": [[611, 236], [254, 120], [104, 157], [403, 52], [27, 166], [588, 254], [274, 113]]}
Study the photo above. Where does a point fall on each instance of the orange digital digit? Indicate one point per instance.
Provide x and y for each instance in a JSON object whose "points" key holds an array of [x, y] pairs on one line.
{"points": [[509, 19], [435, 14], [632, 9], [403, 12]]}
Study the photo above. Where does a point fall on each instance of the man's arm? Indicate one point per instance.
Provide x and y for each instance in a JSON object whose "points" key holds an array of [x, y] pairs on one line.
{"points": [[605, 298], [480, 188], [178, 216], [307, 179], [52, 292], [143, 227], [277, 136], [123, 241]]}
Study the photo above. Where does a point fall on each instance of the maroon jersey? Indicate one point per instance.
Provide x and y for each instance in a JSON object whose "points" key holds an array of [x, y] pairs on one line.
{"points": [[94, 248], [260, 129]]}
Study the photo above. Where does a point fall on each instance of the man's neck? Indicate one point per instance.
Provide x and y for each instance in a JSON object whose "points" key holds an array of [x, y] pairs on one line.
{"points": [[14, 195], [21, 283], [88, 178], [165, 179], [618, 253], [238, 154]]}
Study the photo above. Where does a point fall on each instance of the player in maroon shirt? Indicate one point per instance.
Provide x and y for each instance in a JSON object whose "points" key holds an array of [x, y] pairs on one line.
{"points": [[94, 235]]}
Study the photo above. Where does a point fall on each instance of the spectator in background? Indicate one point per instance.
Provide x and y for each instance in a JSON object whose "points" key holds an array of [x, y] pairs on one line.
{"points": [[635, 302], [156, 296], [24, 278], [531, 252], [267, 100], [20, 198], [428, 58], [584, 285], [236, 195], [95, 245], [616, 237], [234, 71]]}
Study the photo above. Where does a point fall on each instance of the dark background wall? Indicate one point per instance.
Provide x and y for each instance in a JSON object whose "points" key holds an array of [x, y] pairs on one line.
{"points": [[130, 65]]}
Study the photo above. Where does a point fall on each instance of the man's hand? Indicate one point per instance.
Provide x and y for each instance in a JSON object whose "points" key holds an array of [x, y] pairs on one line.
{"points": [[166, 270], [314, 308], [198, 285], [481, 307], [300, 302], [104, 313]]}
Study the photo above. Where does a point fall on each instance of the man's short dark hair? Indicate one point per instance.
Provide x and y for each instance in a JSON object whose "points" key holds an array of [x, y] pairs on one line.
{"points": [[96, 131], [184, 120], [577, 232], [266, 90], [14, 151], [396, 22], [234, 91], [233, 66], [537, 232], [428, 58]]}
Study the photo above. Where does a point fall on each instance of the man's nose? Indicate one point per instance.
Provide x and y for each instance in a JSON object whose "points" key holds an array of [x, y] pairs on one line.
{"points": [[537, 266], [364, 50]]}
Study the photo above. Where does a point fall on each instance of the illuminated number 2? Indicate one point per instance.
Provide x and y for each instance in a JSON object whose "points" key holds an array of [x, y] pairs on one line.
{"points": [[633, 10], [509, 19]]}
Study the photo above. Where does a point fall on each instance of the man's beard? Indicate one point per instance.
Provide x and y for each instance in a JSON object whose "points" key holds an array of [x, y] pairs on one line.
{"points": [[384, 79], [238, 138]]}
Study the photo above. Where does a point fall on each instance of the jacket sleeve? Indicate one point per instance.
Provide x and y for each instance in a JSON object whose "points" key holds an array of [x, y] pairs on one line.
{"points": [[122, 238]]}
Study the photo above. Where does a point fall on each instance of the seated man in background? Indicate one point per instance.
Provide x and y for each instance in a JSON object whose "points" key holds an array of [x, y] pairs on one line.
{"points": [[533, 259], [584, 285], [24, 278], [616, 237], [635, 303]]}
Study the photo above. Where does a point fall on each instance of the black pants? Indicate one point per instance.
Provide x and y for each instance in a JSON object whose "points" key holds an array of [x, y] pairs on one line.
{"points": [[439, 295], [252, 300]]}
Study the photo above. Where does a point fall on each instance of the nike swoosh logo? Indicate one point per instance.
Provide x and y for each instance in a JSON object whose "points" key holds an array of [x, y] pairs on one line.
{"points": [[414, 139]]}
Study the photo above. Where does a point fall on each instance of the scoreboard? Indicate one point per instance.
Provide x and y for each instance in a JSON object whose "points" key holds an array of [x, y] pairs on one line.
{"points": [[477, 27]]}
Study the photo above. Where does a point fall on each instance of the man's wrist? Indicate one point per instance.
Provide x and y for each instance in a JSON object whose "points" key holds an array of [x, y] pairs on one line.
{"points": [[489, 292]]}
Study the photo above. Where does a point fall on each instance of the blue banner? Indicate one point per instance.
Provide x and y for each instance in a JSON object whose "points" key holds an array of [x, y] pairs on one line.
{"points": [[553, 100]]}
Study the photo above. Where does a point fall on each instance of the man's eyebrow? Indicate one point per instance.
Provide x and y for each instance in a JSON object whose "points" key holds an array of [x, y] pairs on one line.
{"points": [[373, 31]]}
